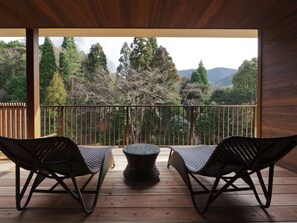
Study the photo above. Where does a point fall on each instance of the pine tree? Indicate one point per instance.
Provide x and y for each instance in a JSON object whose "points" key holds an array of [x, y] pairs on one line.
{"points": [[203, 74], [164, 63], [142, 54], [56, 93], [200, 76], [69, 63], [125, 58], [95, 60], [195, 91], [195, 77], [154, 44], [47, 66]]}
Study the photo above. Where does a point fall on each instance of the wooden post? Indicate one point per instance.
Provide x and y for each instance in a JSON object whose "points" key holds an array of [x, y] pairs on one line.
{"points": [[258, 119], [191, 125], [33, 104], [127, 125]]}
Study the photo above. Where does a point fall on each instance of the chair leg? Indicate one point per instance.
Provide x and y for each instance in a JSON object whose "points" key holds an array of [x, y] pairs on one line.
{"points": [[267, 191], [108, 163], [77, 194], [170, 153], [20, 193], [177, 162]]}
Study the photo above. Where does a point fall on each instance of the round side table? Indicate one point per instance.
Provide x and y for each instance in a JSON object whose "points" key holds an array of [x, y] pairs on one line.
{"points": [[141, 165]]}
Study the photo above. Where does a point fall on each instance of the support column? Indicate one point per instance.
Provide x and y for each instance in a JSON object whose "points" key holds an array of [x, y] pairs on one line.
{"points": [[33, 103], [258, 118]]}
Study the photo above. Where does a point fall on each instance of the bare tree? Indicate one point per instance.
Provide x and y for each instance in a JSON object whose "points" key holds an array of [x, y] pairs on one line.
{"points": [[192, 93], [95, 89], [145, 87]]}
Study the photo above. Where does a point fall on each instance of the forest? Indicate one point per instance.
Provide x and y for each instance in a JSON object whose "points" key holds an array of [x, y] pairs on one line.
{"points": [[151, 101], [146, 75]]}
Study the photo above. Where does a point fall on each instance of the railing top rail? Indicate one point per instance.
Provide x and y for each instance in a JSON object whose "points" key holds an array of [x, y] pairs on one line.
{"points": [[181, 106], [12, 104]]}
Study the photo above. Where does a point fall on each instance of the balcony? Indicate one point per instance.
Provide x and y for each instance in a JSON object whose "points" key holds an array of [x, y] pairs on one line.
{"points": [[165, 201]]}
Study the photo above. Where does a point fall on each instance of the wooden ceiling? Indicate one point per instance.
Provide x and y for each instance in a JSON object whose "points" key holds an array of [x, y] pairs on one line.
{"points": [[214, 14]]}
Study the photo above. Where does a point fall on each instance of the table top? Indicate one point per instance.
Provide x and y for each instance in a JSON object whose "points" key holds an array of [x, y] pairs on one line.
{"points": [[141, 149]]}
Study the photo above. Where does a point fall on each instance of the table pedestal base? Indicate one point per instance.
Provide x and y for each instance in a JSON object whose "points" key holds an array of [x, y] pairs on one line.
{"points": [[141, 168]]}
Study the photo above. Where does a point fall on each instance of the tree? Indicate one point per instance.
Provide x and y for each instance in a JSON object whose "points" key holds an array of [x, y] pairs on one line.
{"points": [[195, 91], [244, 90], [47, 66], [203, 75], [142, 54], [192, 93], [195, 77], [154, 44], [96, 89], [245, 82], [226, 96], [13, 72], [95, 60], [56, 93], [144, 87], [125, 58], [69, 63], [200, 75], [164, 64]]}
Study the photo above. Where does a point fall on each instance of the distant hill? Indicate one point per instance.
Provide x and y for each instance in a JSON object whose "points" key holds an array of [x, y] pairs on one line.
{"points": [[224, 82], [219, 76], [185, 73], [219, 73]]}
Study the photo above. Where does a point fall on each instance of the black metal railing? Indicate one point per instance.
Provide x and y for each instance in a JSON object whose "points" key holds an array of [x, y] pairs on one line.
{"points": [[161, 125]]}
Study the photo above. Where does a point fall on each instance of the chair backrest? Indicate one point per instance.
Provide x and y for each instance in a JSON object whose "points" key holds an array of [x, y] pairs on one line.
{"points": [[254, 152], [55, 153]]}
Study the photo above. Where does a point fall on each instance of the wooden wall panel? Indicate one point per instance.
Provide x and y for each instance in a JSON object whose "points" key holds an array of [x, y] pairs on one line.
{"points": [[279, 83]]}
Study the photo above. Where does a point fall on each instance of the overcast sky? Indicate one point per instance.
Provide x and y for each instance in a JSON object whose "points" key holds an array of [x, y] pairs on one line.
{"points": [[185, 51]]}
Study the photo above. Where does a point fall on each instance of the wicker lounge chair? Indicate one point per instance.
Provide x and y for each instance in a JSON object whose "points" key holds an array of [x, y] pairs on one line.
{"points": [[234, 158], [57, 158]]}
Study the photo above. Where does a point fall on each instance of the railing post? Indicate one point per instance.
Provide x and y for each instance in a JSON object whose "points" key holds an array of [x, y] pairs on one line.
{"points": [[62, 119], [127, 125], [191, 125], [256, 130]]}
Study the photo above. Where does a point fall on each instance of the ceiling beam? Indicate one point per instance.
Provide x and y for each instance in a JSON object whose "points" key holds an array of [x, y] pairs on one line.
{"points": [[229, 33]]}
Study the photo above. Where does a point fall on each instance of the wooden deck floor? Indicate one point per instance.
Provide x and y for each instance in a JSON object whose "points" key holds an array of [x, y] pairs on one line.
{"points": [[165, 201]]}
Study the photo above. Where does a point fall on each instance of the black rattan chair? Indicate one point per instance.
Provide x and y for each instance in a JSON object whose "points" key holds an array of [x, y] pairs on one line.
{"points": [[234, 158], [57, 158]]}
